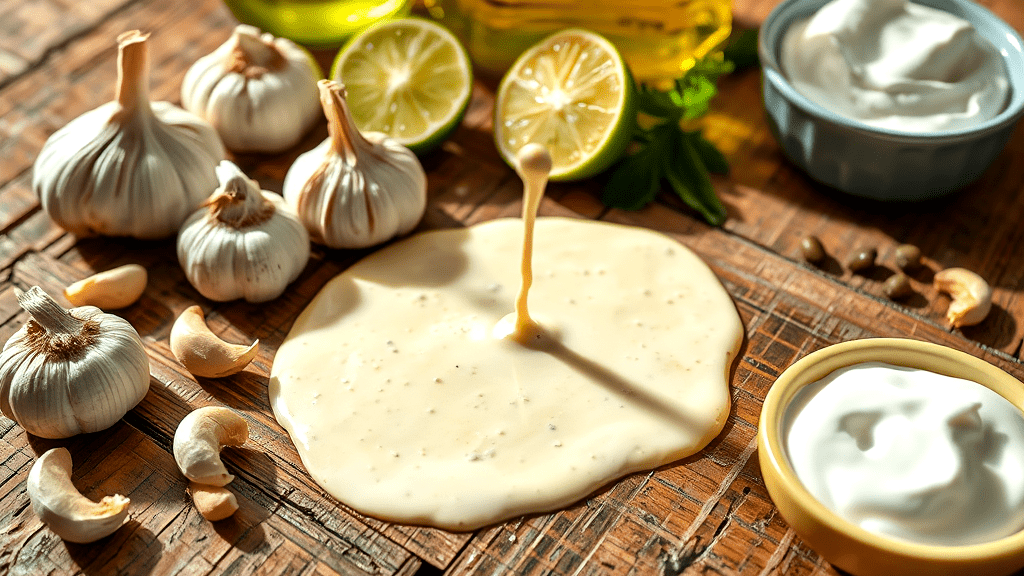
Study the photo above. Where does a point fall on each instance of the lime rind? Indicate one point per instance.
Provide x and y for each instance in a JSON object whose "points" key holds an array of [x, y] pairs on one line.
{"points": [[573, 93], [409, 78]]}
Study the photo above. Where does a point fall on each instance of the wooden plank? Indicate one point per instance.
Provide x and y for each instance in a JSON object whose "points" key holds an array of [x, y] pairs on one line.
{"points": [[29, 30], [164, 533]]}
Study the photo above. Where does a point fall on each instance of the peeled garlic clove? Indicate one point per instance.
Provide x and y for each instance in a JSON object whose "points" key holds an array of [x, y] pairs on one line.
{"points": [[62, 507], [971, 296], [244, 243], [199, 438], [116, 288], [201, 352], [213, 502], [355, 190], [130, 167], [66, 372], [258, 91]]}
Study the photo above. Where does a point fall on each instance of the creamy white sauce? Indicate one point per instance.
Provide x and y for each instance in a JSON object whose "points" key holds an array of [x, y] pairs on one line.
{"points": [[911, 454], [404, 404], [895, 64]]}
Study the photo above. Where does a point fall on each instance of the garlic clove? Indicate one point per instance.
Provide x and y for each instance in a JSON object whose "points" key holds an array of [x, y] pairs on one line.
{"points": [[130, 167], [66, 372], [64, 509], [245, 242], [355, 190], [116, 288], [971, 296], [213, 502], [201, 352], [259, 92], [198, 441]]}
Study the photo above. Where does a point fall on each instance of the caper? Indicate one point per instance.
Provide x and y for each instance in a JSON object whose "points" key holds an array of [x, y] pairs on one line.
{"points": [[862, 260], [897, 286], [812, 249], [908, 256]]}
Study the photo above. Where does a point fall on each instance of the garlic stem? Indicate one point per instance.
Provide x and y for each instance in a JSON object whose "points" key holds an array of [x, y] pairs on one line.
{"points": [[344, 133], [239, 202], [132, 70], [47, 313], [53, 330], [252, 56]]}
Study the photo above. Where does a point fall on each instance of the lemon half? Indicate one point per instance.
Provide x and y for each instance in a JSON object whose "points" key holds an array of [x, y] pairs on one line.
{"points": [[573, 94], [408, 78]]}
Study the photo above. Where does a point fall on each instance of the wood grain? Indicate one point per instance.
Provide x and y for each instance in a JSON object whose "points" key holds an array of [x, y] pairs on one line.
{"points": [[706, 514]]}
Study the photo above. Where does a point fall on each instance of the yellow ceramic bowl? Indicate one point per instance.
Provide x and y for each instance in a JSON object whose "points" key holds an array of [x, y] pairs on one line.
{"points": [[841, 542]]}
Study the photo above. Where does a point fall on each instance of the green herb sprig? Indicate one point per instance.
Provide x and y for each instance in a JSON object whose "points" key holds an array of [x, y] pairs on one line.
{"points": [[667, 152]]}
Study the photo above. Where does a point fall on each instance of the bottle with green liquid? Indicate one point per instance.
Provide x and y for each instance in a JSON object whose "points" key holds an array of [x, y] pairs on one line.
{"points": [[316, 23], [660, 39]]}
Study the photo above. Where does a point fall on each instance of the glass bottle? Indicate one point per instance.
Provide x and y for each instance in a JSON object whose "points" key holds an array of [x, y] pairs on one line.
{"points": [[317, 23], [660, 39]]}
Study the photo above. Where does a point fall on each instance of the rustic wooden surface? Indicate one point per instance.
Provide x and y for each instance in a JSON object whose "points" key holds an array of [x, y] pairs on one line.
{"points": [[706, 514]]}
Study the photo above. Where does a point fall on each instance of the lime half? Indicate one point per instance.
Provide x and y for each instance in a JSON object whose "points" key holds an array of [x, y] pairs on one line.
{"points": [[408, 78], [573, 94]]}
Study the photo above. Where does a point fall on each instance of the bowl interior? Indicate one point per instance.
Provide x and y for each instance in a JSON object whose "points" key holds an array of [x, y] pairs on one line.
{"points": [[900, 352], [1006, 40]]}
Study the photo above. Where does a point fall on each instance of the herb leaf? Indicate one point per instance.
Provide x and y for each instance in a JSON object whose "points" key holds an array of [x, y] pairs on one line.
{"points": [[667, 152]]}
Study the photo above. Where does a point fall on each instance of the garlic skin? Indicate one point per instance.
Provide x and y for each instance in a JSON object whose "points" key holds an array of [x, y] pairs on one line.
{"points": [[243, 243], [355, 190], [130, 167], [66, 372], [258, 92]]}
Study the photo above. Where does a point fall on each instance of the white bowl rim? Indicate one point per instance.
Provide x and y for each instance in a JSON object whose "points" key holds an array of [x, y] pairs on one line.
{"points": [[788, 10]]}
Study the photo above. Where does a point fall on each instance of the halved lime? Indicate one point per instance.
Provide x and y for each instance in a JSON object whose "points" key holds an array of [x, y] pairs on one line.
{"points": [[409, 78], [573, 94]]}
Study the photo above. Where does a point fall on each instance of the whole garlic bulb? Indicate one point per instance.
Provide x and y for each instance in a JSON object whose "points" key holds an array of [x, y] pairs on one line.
{"points": [[244, 242], [66, 372], [130, 167], [258, 91], [355, 190]]}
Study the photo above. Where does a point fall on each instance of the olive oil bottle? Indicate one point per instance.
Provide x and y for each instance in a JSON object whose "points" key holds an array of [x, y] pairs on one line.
{"points": [[317, 23], [660, 39]]}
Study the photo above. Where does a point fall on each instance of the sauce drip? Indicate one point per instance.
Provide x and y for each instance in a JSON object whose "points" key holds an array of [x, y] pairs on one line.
{"points": [[534, 165]]}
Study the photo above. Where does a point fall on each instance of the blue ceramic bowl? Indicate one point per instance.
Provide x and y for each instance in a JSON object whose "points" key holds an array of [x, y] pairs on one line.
{"points": [[880, 163]]}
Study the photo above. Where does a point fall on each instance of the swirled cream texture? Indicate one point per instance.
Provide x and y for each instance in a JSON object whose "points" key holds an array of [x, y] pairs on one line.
{"points": [[911, 454], [895, 64]]}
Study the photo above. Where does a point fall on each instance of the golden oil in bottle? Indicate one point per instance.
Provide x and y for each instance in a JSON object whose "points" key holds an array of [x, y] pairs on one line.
{"points": [[319, 23], [660, 39]]}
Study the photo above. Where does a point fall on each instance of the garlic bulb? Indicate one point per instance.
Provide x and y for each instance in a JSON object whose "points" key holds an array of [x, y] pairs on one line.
{"points": [[66, 372], [130, 167], [355, 190], [259, 92], [244, 242]]}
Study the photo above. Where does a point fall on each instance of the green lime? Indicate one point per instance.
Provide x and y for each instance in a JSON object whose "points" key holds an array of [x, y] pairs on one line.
{"points": [[573, 94], [408, 78]]}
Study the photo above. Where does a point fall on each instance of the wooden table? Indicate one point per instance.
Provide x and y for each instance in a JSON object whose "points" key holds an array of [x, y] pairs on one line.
{"points": [[706, 514]]}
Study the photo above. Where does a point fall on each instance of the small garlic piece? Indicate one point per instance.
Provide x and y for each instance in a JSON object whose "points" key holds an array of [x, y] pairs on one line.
{"points": [[116, 288], [244, 242], [130, 167], [66, 372], [201, 352], [971, 296], [355, 190], [258, 91], [198, 441], [62, 507], [213, 502]]}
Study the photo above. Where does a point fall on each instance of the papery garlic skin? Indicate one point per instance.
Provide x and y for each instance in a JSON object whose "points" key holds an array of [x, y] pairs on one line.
{"points": [[67, 372], [355, 190], [259, 92], [130, 167], [244, 243]]}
